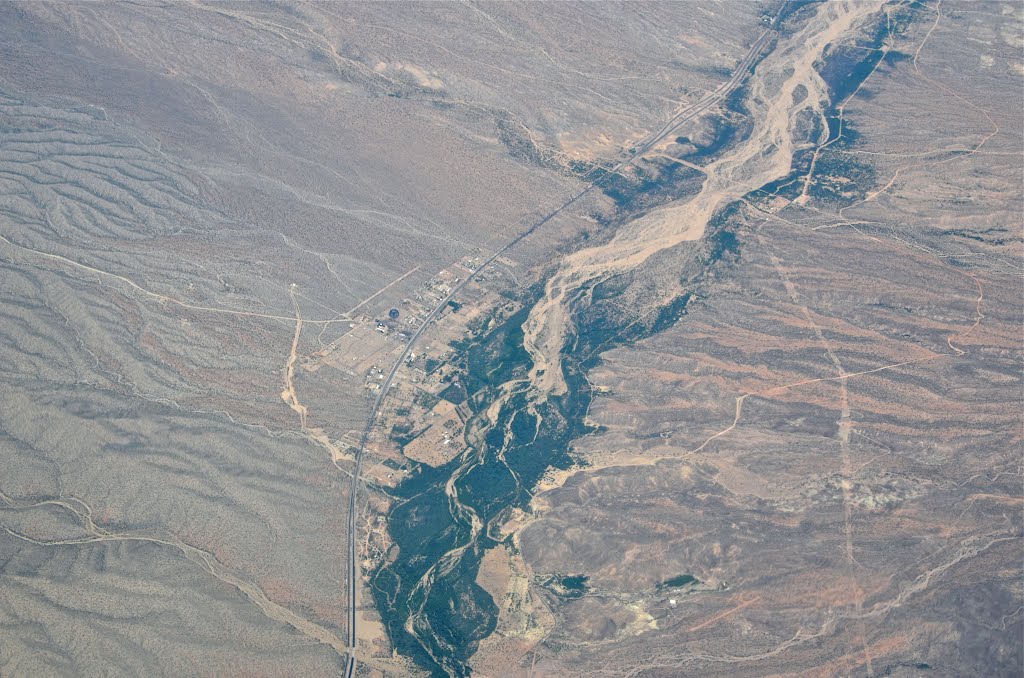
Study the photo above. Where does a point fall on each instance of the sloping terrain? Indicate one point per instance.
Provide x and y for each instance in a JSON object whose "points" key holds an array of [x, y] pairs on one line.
{"points": [[768, 426], [816, 471], [204, 210], [746, 401]]}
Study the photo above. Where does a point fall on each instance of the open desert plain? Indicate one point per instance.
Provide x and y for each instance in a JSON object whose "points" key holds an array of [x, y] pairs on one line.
{"points": [[624, 339]]}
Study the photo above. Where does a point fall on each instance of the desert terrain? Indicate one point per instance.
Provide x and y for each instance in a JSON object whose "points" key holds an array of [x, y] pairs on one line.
{"points": [[549, 339]]}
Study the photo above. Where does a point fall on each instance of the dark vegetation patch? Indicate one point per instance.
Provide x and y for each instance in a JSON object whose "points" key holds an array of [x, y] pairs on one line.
{"points": [[648, 183], [678, 582], [987, 235], [510, 459], [454, 393], [839, 178], [427, 401], [568, 587], [403, 434], [792, 11], [576, 582]]}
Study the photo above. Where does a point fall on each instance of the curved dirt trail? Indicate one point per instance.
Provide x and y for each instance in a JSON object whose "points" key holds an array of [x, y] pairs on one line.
{"points": [[766, 155]]}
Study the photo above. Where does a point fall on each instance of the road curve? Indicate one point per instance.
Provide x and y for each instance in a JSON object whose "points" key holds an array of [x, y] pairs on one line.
{"points": [[742, 70]]}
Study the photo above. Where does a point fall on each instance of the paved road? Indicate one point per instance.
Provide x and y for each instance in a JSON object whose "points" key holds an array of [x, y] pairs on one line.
{"points": [[683, 116]]}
